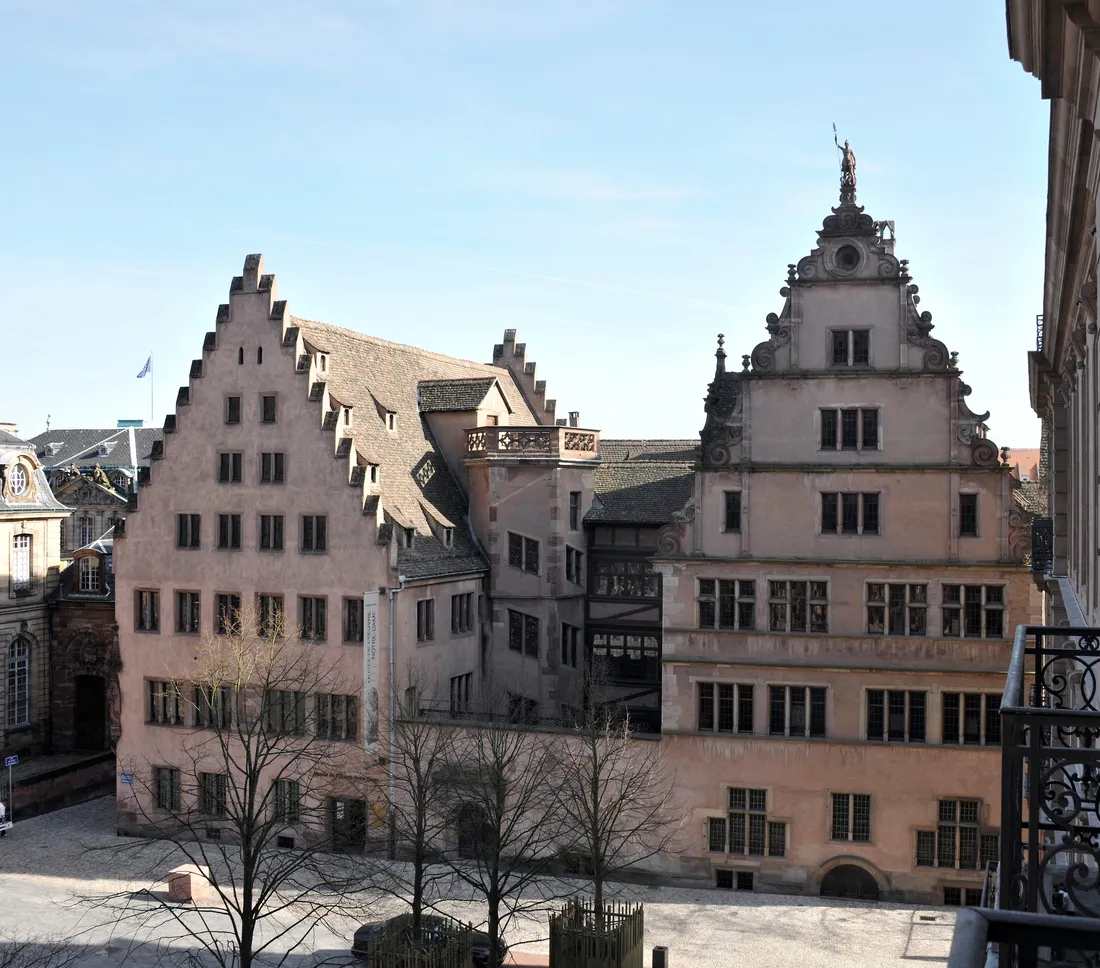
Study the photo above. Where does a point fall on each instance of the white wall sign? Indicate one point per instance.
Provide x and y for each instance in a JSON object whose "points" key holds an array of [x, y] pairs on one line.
{"points": [[370, 671]]}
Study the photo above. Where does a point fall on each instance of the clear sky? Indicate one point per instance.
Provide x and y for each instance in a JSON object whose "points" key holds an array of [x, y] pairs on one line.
{"points": [[618, 180]]}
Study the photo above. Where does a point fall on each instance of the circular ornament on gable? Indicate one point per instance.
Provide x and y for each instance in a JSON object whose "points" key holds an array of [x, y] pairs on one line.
{"points": [[847, 258]]}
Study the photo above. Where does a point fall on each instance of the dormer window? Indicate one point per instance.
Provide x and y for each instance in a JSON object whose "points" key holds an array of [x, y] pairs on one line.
{"points": [[409, 534], [322, 362], [391, 421], [88, 573], [851, 347], [18, 480], [373, 473], [347, 416], [448, 537]]}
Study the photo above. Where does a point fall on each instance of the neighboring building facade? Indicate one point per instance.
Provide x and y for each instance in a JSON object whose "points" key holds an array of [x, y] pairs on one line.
{"points": [[93, 472], [1055, 42], [30, 523], [839, 590]]}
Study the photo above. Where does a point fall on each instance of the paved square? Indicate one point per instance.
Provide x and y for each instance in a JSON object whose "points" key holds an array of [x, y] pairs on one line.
{"points": [[46, 868]]}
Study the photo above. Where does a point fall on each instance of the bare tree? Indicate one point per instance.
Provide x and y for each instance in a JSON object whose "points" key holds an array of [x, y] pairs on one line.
{"points": [[501, 783], [257, 795], [40, 952], [613, 791]]}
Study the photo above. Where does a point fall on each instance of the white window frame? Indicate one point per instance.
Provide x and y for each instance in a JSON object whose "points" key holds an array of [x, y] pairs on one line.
{"points": [[19, 682], [22, 547], [88, 573]]}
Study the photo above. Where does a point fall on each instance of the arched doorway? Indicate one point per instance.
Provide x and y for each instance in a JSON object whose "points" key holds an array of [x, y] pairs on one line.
{"points": [[90, 713], [850, 880]]}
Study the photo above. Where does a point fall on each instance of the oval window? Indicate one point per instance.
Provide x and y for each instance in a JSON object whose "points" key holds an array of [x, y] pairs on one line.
{"points": [[847, 257], [17, 479]]}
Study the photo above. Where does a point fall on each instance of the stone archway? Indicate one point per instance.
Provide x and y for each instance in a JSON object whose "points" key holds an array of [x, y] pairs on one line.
{"points": [[851, 881]]}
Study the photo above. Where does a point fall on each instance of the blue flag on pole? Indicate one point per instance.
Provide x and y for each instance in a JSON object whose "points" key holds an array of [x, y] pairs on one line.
{"points": [[145, 369]]}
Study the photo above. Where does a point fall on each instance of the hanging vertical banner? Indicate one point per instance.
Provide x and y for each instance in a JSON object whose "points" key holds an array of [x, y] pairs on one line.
{"points": [[370, 671]]}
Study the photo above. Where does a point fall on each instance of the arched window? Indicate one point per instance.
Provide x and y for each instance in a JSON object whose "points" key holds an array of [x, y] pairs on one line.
{"points": [[18, 479], [21, 563], [19, 690], [240, 355], [259, 354], [88, 573]]}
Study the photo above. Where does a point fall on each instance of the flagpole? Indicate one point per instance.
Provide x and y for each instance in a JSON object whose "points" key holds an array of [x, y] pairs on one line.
{"points": [[152, 378]]}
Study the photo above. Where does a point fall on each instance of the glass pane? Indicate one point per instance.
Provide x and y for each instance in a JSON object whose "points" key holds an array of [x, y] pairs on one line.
{"points": [[738, 798], [840, 816], [945, 846], [798, 606], [861, 817], [778, 710], [757, 826], [725, 708], [876, 620]]}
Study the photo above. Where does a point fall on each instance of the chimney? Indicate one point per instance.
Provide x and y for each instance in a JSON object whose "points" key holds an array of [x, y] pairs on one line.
{"points": [[9, 427], [574, 418]]}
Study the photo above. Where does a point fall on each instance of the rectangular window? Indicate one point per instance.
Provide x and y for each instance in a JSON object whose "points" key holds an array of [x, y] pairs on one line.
{"points": [[462, 613], [926, 848], [313, 618], [271, 532], [165, 704], [521, 710], [849, 430], [895, 716], [213, 707], [974, 611], [869, 430], [229, 532], [267, 408], [849, 513], [353, 620], [570, 645], [733, 511], [625, 579], [523, 553], [573, 571], [337, 717], [957, 841], [425, 620], [272, 467], [750, 832], [725, 707], [851, 817], [232, 410], [861, 347], [798, 606], [734, 607], [229, 468], [460, 694], [213, 787], [840, 347], [716, 839], [968, 515], [972, 719], [166, 780], [286, 800], [897, 609], [284, 712], [270, 620], [828, 429], [147, 611], [574, 510], [796, 711], [187, 530], [314, 533], [523, 633], [187, 612], [851, 347], [227, 614]]}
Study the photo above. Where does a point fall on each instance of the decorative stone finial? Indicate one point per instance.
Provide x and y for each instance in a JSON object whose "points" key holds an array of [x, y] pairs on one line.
{"points": [[792, 272], [746, 362], [954, 359], [720, 354], [1005, 452]]}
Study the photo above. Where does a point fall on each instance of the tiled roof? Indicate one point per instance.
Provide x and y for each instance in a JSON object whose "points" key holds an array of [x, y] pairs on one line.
{"points": [[640, 491], [60, 448], [416, 483], [438, 395], [649, 450]]}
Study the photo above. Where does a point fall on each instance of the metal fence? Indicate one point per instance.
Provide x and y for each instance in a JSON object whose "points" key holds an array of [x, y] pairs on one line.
{"points": [[1042, 545], [443, 943], [577, 941]]}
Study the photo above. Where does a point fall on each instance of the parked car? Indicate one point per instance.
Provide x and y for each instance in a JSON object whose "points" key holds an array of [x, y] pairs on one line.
{"points": [[432, 930]]}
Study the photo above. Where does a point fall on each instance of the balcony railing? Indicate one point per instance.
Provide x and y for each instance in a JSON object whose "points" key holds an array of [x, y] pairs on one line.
{"points": [[569, 443], [1042, 545], [1039, 332], [1046, 900]]}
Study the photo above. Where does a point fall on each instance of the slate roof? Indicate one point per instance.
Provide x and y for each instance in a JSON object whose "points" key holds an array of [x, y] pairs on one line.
{"points": [[373, 375], [8, 439], [454, 395], [80, 447], [642, 481], [10, 446]]}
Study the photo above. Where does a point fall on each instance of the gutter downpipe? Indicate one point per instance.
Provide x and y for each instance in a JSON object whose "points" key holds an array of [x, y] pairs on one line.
{"points": [[393, 721]]}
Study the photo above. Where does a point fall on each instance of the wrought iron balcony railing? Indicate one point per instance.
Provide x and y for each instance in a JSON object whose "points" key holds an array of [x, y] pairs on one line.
{"points": [[1046, 902], [1042, 545]]}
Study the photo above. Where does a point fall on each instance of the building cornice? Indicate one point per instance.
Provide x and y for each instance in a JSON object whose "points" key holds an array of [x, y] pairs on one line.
{"points": [[833, 563], [885, 666]]}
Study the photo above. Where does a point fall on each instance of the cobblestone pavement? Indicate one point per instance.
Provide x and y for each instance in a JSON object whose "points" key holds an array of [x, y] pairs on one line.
{"points": [[52, 865]]}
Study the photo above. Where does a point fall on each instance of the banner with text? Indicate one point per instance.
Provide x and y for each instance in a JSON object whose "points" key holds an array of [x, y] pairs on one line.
{"points": [[370, 672]]}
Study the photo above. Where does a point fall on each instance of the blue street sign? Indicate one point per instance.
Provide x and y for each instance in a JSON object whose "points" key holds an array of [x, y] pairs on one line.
{"points": [[127, 778], [10, 760]]}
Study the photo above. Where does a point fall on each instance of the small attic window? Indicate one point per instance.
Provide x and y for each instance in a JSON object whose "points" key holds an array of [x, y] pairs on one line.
{"points": [[373, 473], [448, 537], [391, 421], [240, 356], [347, 416], [409, 535], [259, 354], [322, 362]]}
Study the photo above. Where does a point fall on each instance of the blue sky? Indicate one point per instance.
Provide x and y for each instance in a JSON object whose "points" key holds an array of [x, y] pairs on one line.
{"points": [[618, 181]]}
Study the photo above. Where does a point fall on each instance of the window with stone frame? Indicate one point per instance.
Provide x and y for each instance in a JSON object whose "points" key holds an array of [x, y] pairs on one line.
{"points": [[798, 605], [725, 707], [267, 408], [271, 615], [353, 620], [425, 620], [229, 532], [974, 611], [230, 468], [573, 571], [460, 693], [462, 613], [147, 610], [336, 717], [844, 513], [897, 608], [726, 603], [165, 703], [968, 515], [227, 614], [971, 719], [188, 613], [187, 530], [523, 553], [574, 510], [796, 711], [21, 563], [747, 829], [286, 801], [271, 532], [19, 682], [958, 841], [522, 710], [850, 347], [213, 707], [849, 429], [313, 617], [851, 817], [213, 788], [284, 712], [88, 573], [314, 533], [272, 467], [87, 530], [166, 786], [232, 410], [896, 716], [570, 645], [523, 633], [732, 521]]}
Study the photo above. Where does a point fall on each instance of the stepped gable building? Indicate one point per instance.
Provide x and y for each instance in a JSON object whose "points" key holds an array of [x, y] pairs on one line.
{"points": [[30, 521], [346, 482], [839, 593], [92, 471]]}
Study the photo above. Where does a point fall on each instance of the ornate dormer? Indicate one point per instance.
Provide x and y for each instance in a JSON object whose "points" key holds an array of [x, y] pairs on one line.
{"points": [[723, 430]]}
